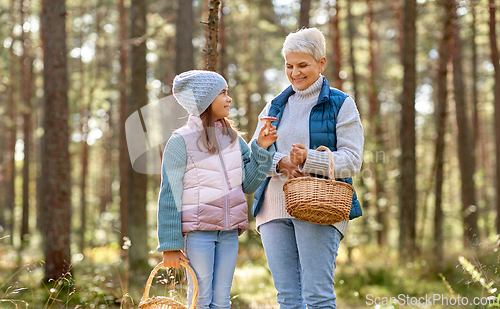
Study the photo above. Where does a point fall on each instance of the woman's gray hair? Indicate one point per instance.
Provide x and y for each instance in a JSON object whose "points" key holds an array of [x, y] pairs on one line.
{"points": [[306, 40]]}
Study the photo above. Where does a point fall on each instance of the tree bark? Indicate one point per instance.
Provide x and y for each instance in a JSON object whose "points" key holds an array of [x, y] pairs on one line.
{"points": [[26, 81], [441, 116], [213, 40], [184, 52], [495, 60], [337, 54], [137, 228], [305, 7], [11, 137], [57, 168], [399, 17], [222, 42], [375, 121], [466, 154], [84, 130], [365, 202], [124, 159], [408, 192]]}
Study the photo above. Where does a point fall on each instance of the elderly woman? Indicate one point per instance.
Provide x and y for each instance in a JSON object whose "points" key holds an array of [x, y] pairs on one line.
{"points": [[302, 255]]}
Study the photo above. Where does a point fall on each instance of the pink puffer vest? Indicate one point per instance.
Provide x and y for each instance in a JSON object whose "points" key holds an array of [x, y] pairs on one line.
{"points": [[212, 198]]}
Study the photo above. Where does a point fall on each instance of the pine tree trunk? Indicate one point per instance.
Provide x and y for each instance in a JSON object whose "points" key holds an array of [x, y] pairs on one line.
{"points": [[337, 53], [213, 40], [365, 203], [137, 228], [184, 52], [222, 42], [495, 59], [84, 130], [466, 153], [408, 192], [305, 7], [441, 115], [11, 138], [399, 17], [2, 172], [57, 168], [375, 121], [26, 81], [124, 159], [481, 192]]}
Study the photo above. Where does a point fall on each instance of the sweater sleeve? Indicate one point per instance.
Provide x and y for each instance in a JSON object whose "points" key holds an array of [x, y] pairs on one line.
{"points": [[256, 164], [170, 198], [349, 155], [277, 155]]}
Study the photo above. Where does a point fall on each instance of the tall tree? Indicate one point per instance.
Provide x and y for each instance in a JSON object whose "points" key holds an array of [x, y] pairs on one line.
{"points": [[124, 160], [365, 202], [213, 35], [26, 81], [137, 228], [475, 116], [11, 134], [305, 7], [84, 130], [408, 191], [376, 124], [337, 53], [56, 169], [184, 52], [466, 154], [441, 115], [495, 59]]}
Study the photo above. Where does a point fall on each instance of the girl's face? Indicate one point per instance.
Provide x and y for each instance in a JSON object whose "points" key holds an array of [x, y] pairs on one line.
{"points": [[220, 106], [302, 69]]}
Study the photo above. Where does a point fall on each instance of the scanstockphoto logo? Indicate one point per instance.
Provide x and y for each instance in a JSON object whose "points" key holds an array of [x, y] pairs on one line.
{"points": [[429, 300], [148, 130]]}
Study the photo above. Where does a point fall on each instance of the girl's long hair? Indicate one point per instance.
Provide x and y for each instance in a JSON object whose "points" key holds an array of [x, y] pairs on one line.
{"points": [[209, 139]]}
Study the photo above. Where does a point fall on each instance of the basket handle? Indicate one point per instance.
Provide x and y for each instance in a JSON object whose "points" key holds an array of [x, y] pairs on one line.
{"points": [[145, 297], [330, 155]]}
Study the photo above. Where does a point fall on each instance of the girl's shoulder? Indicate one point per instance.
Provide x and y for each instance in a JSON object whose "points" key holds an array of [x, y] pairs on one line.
{"points": [[175, 144]]}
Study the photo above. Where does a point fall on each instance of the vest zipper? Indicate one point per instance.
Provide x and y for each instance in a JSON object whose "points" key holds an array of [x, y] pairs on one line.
{"points": [[226, 185]]}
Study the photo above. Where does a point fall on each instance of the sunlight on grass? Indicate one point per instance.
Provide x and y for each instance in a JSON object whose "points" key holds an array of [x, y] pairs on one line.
{"points": [[253, 286]]}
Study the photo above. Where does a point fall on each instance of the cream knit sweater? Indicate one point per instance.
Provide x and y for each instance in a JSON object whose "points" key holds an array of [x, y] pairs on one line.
{"points": [[294, 128]]}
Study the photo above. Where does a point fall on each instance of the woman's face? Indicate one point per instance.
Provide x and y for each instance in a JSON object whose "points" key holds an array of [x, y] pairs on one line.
{"points": [[302, 69], [220, 106]]}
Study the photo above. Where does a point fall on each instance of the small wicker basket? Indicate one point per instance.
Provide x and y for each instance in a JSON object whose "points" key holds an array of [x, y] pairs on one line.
{"points": [[321, 201], [162, 302]]}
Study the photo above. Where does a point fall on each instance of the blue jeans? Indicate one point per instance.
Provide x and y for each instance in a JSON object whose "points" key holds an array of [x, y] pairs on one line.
{"points": [[212, 255], [302, 259]]}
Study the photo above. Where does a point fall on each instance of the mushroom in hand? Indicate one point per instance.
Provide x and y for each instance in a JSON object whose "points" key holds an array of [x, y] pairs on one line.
{"points": [[268, 120]]}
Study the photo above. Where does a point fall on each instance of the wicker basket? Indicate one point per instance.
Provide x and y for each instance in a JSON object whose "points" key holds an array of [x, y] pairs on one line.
{"points": [[162, 302], [321, 201]]}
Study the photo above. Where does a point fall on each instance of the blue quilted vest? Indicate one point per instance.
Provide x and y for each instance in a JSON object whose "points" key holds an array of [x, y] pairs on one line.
{"points": [[322, 131]]}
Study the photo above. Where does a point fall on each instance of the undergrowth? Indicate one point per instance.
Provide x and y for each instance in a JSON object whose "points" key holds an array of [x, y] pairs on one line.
{"points": [[101, 278]]}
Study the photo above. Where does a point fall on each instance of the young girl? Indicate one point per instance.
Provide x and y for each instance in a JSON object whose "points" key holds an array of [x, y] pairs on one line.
{"points": [[207, 168]]}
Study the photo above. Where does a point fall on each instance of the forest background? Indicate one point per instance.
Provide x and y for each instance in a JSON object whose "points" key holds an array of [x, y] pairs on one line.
{"points": [[78, 213]]}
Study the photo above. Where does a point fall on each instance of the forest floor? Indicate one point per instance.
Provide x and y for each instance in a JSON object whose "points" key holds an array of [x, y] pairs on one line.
{"points": [[365, 277]]}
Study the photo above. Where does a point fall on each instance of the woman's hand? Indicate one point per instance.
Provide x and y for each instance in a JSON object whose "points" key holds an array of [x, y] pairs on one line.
{"points": [[298, 155], [263, 140], [172, 259], [288, 168]]}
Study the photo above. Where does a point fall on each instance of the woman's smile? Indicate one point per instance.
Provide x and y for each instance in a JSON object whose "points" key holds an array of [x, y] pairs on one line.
{"points": [[302, 69]]}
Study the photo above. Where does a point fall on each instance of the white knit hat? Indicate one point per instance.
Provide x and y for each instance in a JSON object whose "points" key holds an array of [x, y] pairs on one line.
{"points": [[195, 90]]}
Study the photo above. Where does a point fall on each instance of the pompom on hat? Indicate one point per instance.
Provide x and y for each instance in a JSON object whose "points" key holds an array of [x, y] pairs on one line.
{"points": [[195, 90]]}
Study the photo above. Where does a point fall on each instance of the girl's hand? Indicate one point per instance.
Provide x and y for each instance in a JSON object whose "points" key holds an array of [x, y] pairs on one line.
{"points": [[298, 155], [263, 140], [172, 259]]}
